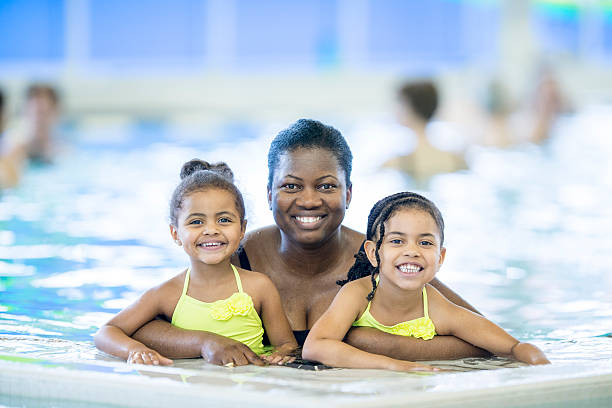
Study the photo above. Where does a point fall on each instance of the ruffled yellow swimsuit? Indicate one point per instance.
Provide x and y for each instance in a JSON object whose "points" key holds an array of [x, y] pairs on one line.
{"points": [[234, 317], [422, 327]]}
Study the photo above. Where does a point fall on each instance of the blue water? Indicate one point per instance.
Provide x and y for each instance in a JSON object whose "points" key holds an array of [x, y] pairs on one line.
{"points": [[527, 228]]}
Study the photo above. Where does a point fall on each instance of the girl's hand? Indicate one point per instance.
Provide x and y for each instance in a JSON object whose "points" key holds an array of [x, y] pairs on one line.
{"points": [[400, 365], [228, 352], [282, 354], [144, 355], [278, 358], [528, 353]]}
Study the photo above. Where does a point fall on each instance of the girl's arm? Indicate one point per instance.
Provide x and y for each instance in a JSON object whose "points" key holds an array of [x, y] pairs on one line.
{"points": [[324, 342], [114, 337], [480, 331], [410, 348], [275, 322]]}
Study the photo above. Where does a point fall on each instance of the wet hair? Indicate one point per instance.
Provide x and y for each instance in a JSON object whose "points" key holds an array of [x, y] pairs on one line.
{"points": [[199, 175], [39, 89], [310, 134], [421, 96], [380, 213]]}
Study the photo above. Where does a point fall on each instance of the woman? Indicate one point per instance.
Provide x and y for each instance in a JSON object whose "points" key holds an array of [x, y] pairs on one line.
{"points": [[305, 253]]}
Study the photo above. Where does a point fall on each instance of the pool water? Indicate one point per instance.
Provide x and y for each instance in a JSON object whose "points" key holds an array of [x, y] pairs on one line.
{"points": [[527, 244]]}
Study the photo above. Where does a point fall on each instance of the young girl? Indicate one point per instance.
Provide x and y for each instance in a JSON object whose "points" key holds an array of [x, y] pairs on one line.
{"points": [[212, 295], [402, 253]]}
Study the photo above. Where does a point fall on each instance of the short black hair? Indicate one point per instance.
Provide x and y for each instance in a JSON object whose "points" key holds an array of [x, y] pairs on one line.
{"points": [[380, 213], [310, 134]]}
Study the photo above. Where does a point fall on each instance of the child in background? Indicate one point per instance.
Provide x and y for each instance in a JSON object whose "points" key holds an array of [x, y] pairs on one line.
{"points": [[402, 253], [207, 220]]}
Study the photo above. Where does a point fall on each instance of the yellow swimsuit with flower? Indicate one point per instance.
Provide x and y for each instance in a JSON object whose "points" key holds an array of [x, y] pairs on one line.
{"points": [[234, 317], [423, 327]]}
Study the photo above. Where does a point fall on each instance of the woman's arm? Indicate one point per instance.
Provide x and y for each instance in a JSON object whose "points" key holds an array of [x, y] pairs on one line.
{"points": [[324, 342], [451, 295], [410, 348], [175, 342]]}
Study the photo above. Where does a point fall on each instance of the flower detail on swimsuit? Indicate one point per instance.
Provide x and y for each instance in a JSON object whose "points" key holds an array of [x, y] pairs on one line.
{"points": [[422, 328], [238, 304]]}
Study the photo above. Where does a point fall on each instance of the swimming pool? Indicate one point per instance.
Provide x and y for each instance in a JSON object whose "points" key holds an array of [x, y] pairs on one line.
{"points": [[527, 239]]}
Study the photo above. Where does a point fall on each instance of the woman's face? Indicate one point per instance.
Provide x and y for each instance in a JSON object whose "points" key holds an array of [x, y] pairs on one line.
{"points": [[309, 195]]}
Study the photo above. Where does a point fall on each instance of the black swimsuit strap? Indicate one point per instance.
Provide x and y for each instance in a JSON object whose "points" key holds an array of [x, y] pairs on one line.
{"points": [[243, 258], [300, 335]]}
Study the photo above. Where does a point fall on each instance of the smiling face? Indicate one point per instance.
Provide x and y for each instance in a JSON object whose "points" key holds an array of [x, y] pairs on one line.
{"points": [[309, 196], [410, 253], [208, 226]]}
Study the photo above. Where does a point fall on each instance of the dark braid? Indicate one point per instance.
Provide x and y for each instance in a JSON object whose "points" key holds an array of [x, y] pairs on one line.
{"points": [[379, 214]]}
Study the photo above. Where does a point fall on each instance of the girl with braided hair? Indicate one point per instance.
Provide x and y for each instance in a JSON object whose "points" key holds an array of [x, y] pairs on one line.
{"points": [[388, 289]]}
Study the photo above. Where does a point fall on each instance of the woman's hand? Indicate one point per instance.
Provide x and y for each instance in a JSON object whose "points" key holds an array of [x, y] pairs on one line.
{"points": [[528, 353], [227, 352], [144, 355]]}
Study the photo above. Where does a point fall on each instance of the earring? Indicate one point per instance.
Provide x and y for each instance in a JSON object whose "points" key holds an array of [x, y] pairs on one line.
{"points": [[178, 242]]}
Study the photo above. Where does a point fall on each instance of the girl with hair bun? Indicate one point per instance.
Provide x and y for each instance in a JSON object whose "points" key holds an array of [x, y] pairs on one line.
{"points": [[388, 289], [207, 219]]}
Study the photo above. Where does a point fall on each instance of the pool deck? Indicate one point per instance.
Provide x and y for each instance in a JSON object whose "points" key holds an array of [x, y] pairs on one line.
{"points": [[191, 383]]}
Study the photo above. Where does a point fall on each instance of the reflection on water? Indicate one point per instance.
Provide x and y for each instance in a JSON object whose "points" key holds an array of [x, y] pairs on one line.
{"points": [[526, 229]]}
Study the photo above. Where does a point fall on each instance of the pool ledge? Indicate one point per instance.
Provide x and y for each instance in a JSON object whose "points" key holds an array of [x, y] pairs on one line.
{"points": [[118, 384]]}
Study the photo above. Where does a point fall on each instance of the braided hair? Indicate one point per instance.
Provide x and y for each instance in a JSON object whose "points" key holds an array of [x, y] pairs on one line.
{"points": [[199, 175], [379, 214]]}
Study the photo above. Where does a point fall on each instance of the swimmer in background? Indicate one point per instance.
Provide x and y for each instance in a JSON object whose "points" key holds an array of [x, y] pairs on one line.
{"points": [[548, 104], [418, 102], [388, 289], [507, 123], [11, 156], [35, 131], [32, 137], [207, 220], [2, 113], [42, 116]]}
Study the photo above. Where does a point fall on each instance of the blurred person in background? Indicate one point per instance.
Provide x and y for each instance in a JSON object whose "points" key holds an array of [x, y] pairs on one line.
{"points": [[41, 115], [32, 137], [507, 123], [418, 102], [10, 156], [547, 104], [2, 113]]}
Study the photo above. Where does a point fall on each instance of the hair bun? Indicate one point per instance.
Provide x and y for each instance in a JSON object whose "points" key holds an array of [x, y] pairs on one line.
{"points": [[195, 165]]}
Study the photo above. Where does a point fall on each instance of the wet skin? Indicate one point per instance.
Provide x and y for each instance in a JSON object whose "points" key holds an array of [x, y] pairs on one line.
{"points": [[304, 254], [307, 250]]}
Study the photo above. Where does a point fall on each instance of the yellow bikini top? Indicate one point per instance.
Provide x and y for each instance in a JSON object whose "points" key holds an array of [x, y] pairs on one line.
{"points": [[423, 327], [234, 317]]}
